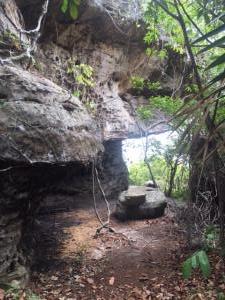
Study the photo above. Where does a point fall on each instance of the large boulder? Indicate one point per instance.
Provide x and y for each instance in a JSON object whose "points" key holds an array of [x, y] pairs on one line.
{"points": [[42, 122], [140, 203]]}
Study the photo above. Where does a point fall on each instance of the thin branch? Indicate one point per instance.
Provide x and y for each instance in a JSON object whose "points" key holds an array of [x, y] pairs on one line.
{"points": [[166, 10], [35, 35], [38, 28], [107, 223], [191, 20]]}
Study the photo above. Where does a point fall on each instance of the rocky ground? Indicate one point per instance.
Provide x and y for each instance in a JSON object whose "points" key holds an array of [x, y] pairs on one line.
{"points": [[141, 260]]}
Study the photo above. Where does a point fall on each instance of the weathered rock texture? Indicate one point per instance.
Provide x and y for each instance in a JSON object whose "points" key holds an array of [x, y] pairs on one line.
{"points": [[37, 126], [49, 138], [140, 202]]}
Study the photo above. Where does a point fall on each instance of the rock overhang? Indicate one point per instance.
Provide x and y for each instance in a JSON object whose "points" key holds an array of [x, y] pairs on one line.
{"points": [[36, 124]]}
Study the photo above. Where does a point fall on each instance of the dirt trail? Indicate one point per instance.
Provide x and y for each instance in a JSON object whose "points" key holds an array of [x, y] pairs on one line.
{"points": [[140, 261]]}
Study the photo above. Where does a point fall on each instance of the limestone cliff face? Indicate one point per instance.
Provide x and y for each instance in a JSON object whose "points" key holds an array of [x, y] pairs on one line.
{"points": [[48, 137]]}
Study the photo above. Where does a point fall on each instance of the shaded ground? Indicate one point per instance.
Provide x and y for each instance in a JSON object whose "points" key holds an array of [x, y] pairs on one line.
{"points": [[142, 260]]}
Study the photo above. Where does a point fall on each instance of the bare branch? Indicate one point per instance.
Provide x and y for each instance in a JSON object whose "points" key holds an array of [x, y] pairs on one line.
{"points": [[35, 35]]}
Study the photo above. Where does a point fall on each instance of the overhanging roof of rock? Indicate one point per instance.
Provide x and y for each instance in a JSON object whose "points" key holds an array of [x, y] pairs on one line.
{"points": [[103, 40], [110, 19], [36, 124], [114, 19]]}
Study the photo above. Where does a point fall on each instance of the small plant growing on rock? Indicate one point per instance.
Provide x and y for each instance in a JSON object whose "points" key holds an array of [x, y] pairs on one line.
{"points": [[144, 112], [70, 6], [83, 80], [137, 82], [82, 73], [153, 86], [10, 40]]}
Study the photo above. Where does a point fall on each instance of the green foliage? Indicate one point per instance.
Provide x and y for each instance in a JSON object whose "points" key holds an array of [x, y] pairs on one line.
{"points": [[90, 106], [154, 18], [144, 112], [163, 161], [162, 54], [82, 73], [153, 86], [197, 260], [165, 104], [203, 22], [2, 103], [83, 80], [139, 174], [15, 292], [76, 94], [137, 82], [85, 75], [9, 39], [191, 88], [211, 237], [70, 6], [151, 36], [196, 28], [220, 116], [221, 296], [151, 52]]}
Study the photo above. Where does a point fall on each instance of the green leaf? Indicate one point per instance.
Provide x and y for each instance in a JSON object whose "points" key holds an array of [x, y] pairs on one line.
{"points": [[221, 76], [204, 263], [194, 262], [221, 296], [218, 43], [187, 268], [74, 10], [211, 33], [64, 6], [220, 60]]}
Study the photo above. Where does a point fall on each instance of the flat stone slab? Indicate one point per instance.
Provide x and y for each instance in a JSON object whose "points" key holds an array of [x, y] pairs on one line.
{"points": [[134, 196], [153, 206]]}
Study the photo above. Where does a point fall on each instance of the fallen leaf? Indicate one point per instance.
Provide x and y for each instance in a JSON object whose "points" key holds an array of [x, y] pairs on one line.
{"points": [[54, 278], [2, 294], [112, 280], [144, 277], [90, 280], [23, 296]]}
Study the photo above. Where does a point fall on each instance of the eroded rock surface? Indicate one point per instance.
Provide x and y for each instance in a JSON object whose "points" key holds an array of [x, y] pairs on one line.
{"points": [[37, 126]]}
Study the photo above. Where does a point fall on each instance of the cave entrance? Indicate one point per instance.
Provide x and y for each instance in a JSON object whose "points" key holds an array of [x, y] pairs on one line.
{"points": [[66, 220], [162, 157]]}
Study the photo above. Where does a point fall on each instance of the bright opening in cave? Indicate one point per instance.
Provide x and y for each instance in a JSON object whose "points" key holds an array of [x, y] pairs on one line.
{"points": [[134, 149], [160, 152]]}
